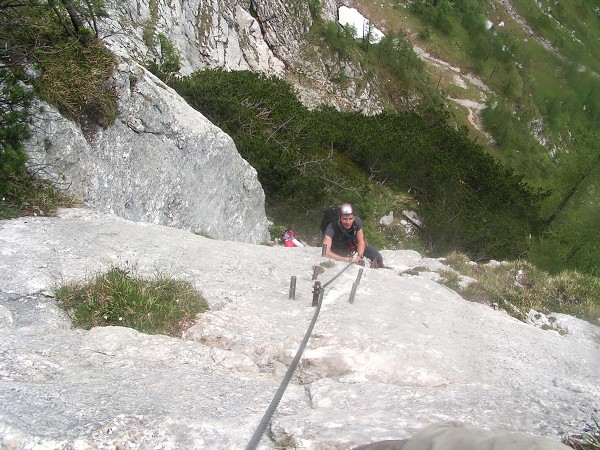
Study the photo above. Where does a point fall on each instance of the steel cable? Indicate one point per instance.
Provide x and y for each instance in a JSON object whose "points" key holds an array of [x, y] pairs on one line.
{"points": [[262, 426], [340, 272]]}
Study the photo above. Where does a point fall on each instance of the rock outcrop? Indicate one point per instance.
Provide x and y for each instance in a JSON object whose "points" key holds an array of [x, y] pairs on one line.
{"points": [[161, 162], [408, 352], [264, 36]]}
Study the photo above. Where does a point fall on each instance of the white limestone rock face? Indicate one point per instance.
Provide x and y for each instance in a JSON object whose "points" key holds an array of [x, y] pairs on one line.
{"points": [[161, 162], [407, 353], [207, 34], [267, 37]]}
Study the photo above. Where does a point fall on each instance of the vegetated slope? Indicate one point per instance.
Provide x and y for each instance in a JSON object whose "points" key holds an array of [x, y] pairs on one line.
{"points": [[469, 201], [531, 73], [499, 64]]}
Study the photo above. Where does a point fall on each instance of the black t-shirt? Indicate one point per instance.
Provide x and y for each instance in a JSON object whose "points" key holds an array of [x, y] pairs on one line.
{"points": [[343, 242]]}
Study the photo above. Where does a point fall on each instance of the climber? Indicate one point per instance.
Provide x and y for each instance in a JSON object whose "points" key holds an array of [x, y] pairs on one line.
{"points": [[344, 239]]}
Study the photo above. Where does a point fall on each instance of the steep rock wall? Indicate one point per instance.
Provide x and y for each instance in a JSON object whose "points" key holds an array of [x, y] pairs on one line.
{"points": [[161, 162], [264, 36]]}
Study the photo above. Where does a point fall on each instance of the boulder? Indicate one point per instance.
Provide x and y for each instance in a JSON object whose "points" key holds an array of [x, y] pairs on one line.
{"points": [[161, 162]]}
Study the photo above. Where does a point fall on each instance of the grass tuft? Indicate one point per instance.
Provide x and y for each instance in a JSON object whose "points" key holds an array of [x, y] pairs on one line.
{"points": [[29, 196], [162, 305], [519, 286], [587, 440], [286, 441], [77, 80], [327, 264]]}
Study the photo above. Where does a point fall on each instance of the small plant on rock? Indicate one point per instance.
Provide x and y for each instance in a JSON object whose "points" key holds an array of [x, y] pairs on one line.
{"points": [[286, 441], [327, 264], [588, 440], [162, 305]]}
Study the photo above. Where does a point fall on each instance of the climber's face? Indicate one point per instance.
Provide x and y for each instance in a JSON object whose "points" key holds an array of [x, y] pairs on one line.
{"points": [[347, 220]]}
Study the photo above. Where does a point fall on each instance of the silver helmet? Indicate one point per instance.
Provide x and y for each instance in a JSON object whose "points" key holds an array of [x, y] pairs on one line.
{"points": [[346, 208]]}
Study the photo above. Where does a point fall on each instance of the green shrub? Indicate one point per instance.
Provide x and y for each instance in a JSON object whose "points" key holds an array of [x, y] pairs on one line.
{"points": [[168, 61], [162, 305], [270, 127], [15, 101], [396, 55], [436, 13], [425, 33], [315, 8], [340, 40], [20, 192], [468, 200], [74, 71], [275, 231]]}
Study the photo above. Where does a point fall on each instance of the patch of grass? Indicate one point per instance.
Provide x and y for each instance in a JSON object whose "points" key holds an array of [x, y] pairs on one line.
{"points": [[275, 231], [519, 286], [76, 80], [451, 279], [74, 74], [162, 305], [28, 196], [286, 441], [327, 264]]}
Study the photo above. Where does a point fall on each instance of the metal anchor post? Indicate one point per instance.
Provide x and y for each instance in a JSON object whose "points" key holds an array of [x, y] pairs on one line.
{"points": [[316, 293], [293, 288]]}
